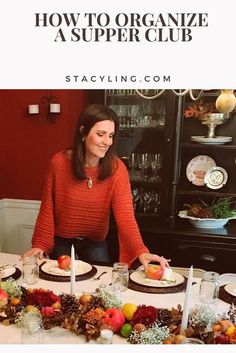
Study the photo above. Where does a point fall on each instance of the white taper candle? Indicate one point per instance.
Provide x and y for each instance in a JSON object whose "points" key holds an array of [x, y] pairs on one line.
{"points": [[72, 270], [184, 322]]}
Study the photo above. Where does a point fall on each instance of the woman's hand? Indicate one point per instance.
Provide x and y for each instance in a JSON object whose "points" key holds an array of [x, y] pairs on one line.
{"points": [[34, 252], [146, 258]]}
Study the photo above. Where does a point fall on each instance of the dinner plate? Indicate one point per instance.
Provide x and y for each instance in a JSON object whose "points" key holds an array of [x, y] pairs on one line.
{"points": [[231, 289], [216, 178], [140, 278], [197, 168], [51, 267], [218, 140], [7, 271]]}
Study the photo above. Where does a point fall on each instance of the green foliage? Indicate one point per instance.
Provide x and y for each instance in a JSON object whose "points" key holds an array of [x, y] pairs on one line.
{"points": [[222, 208], [11, 287]]}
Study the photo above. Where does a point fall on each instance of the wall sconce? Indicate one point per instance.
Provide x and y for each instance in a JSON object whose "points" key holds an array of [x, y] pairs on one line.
{"points": [[33, 109], [52, 109]]}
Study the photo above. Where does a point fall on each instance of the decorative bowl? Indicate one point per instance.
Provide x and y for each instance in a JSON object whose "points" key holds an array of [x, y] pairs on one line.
{"points": [[205, 222], [213, 120]]}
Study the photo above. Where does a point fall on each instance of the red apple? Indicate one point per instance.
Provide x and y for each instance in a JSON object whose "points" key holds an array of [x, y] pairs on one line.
{"points": [[64, 262], [3, 298], [154, 272], [114, 318], [47, 311]]}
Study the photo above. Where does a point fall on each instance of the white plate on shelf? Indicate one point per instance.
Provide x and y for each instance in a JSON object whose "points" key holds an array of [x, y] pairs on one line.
{"points": [[51, 267], [218, 140], [8, 271], [231, 289], [197, 168], [139, 277], [216, 178]]}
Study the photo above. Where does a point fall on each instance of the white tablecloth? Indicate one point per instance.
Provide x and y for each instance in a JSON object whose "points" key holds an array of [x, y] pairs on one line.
{"points": [[12, 334]]}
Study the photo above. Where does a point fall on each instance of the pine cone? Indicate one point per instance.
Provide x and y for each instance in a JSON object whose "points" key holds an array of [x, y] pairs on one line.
{"points": [[203, 334], [94, 303], [164, 317], [8, 316], [91, 332], [205, 213], [74, 323], [194, 210], [69, 304], [52, 321]]}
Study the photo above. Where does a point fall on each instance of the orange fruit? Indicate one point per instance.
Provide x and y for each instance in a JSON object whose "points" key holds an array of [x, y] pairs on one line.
{"points": [[15, 301], [128, 310]]}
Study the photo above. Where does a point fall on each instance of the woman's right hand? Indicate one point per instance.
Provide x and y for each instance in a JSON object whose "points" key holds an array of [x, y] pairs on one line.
{"points": [[34, 252]]}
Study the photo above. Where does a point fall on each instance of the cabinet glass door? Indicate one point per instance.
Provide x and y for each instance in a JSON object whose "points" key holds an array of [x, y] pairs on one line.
{"points": [[142, 146]]}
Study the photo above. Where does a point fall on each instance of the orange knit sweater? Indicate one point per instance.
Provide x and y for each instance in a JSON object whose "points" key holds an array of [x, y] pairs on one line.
{"points": [[69, 209]]}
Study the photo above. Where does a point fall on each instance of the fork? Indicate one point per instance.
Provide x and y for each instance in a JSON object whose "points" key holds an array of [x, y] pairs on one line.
{"points": [[98, 277]]}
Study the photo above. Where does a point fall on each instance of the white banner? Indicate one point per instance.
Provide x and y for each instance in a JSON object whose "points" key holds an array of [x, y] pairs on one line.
{"points": [[126, 44]]}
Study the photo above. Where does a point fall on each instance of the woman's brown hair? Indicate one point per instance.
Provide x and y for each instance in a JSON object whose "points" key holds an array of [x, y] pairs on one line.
{"points": [[90, 116]]}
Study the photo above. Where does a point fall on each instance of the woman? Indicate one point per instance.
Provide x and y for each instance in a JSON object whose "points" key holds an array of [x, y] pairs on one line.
{"points": [[83, 185]]}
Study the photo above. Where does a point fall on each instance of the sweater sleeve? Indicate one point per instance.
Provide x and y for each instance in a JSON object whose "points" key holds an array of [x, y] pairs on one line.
{"points": [[130, 240], [43, 236]]}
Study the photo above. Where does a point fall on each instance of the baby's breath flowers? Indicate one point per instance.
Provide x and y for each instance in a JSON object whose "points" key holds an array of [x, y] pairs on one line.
{"points": [[152, 335], [203, 315], [109, 298]]}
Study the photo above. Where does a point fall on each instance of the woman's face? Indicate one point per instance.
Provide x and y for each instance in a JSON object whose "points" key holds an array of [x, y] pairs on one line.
{"points": [[98, 140]]}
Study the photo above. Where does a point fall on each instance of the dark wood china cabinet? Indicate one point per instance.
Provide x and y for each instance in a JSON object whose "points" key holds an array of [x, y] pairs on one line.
{"points": [[157, 143]]}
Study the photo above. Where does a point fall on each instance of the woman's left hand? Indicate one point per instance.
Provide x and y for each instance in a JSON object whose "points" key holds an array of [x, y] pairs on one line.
{"points": [[146, 258]]}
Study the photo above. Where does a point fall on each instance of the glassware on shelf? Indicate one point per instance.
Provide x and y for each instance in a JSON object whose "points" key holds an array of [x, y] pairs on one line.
{"points": [[160, 112], [145, 167], [133, 171], [156, 165], [121, 92], [136, 196], [156, 203], [146, 202]]}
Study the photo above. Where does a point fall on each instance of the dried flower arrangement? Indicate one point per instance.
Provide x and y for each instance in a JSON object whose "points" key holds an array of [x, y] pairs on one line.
{"points": [[88, 313], [200, 109]]}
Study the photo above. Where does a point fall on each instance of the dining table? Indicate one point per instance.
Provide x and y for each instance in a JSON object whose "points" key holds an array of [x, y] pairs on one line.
{"points": [[12, 334]]}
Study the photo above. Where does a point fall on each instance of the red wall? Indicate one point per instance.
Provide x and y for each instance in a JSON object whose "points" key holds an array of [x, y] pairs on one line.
{"points": [[27, 143]]}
